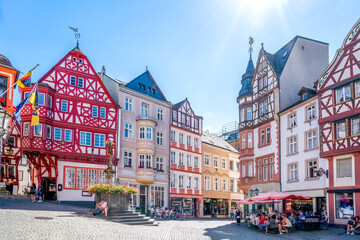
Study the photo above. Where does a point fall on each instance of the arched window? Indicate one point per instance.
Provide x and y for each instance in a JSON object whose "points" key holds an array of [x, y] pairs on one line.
{"points": [[243, 169], [250, 169]]}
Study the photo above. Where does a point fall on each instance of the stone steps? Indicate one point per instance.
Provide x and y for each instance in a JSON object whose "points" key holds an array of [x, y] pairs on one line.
{"points": [[130, 218]]}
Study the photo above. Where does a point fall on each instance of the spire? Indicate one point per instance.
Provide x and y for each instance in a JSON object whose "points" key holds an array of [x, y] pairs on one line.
{"points": [[247, 76]]}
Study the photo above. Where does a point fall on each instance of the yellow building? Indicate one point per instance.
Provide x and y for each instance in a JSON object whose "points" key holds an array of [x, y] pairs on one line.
{"points": [[217, 159]]}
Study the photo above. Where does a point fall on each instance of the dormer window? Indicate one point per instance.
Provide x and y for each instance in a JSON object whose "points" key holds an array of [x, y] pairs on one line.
{"points": [[80, 60], [139, 84], [153, 91], [304, 96], [343, 94], [74, 59], [149, 88]]}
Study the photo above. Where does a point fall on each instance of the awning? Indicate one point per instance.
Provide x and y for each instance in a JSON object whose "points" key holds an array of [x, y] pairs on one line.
{"points": [[276, 196], [245, 201]]}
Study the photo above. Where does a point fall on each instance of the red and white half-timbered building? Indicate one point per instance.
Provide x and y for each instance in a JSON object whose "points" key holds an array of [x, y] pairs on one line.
{"points": [[77, 115], [339, 104]]}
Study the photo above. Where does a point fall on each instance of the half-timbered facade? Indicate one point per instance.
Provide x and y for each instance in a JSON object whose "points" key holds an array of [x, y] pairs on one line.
{"points": [[77, 115], [274, 83], [339, 104], [185, 159]]}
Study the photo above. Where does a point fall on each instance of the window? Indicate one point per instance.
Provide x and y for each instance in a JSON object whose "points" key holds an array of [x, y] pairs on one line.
{"points": [[172, 136], [340, 129], [67, 135], [259, 174], [311, 140], [271, 172], [357, 89], [238, 167], [196, 162], [242, 115], [216, 184], [144, 110], [261, 109], [224, 185], [311, 167], [216, 162], [149, 133], [72, 81], [26, 129], [85, 138], [231, 185], [141, 160], [57, 134], [49, 101], [243, 141], [81, 178], [196, 124], [181, 159], [292, 145], [343, 168], [95, 111], [265, 174], [265, 81], [189, 183], [181, 181], [261, 84], [64, 105], [344, 205], [243, 170], [181, 138], [223, 163], [293, 172], [265, 107], [182, 118], [172, 157], [128, 130], [310, 113], [188, 162], [248, 114], [207, 182], [148, 161], [271, 159], [38, 130], [127, 159], [250, 140], [262, 137], [80, 82], [174, 115], [355, 125], [41, 99], [92, 177], [250, 169], [173, 181], [196, 143], [188, 140], [102, 112], [188, 120], [69, 177], [207, 160], [196, 183], [160, 114], [231, 165], [142, 133], [265, 161], [99, 140], [159, 163], [128, 104], [292, 120], [159, 139], [343, 94], [48, 132], [268, 135], [158, 196]]}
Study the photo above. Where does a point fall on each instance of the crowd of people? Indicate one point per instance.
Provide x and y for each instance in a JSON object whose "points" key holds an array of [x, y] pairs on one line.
{"points": [[165, 213], [36, 192], [352, 225]]}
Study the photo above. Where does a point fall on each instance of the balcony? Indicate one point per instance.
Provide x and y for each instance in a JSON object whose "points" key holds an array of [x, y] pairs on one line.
{"points": [[147, 118], [145, 175], [246, 152], [246, 182]]}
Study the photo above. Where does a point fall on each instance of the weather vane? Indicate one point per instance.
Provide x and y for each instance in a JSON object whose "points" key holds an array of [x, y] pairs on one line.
{"points": [[251, 41], [77, 35]]}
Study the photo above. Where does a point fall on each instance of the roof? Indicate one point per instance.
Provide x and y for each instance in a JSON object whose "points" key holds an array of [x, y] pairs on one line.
{"points": [[307, 90], [77, 49], [5, 62], [278, 60], [179, 104], [217, 142], [146, 84], [246, 79]]}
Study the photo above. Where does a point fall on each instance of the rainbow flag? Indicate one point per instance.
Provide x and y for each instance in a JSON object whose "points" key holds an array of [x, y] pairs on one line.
{"points": [[25, 79]]}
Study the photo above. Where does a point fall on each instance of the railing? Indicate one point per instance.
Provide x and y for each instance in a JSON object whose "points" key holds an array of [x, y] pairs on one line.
{"points": [[147, 117]]}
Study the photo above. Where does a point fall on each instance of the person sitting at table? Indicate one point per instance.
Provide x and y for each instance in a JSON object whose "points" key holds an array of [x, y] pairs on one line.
{"points": [[262, 224], [353, 224], [292, 218], [284, 224]]}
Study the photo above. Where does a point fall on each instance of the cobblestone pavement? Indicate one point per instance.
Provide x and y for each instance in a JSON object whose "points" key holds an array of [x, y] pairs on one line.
{"points": [[20, 219]]}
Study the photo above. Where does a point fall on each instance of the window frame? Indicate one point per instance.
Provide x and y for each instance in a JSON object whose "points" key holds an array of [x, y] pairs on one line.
{"points": [[70, 80], [101, 143], [55, 132], [85, 138], [65, 130], [64, 103]]}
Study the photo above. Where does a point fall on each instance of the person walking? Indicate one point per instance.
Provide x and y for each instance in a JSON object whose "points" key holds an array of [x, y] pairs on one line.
{"points": [[32, 192], [40, 193], [232, 214], [215, 211], [238, 216]]}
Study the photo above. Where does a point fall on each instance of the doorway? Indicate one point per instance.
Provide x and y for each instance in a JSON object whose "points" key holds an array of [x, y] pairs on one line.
{"points": [[143, 198], [49, 189]]}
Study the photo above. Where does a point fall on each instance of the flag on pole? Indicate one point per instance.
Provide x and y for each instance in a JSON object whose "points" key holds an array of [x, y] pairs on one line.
{"points": [[24, 80], [34, 100]]}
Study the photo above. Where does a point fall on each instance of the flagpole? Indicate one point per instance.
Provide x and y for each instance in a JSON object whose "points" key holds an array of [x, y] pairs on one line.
{"points": [[16, 81]]}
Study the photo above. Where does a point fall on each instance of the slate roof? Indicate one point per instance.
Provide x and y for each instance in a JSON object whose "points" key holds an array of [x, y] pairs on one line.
{"points": [[5, 62], [217, 142], [148, 86], [246, 79]]}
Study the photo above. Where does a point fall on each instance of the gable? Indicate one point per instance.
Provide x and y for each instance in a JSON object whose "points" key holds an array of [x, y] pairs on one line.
{"points": [[76, 64], [184, 107], [146, 84], [346, 63]]}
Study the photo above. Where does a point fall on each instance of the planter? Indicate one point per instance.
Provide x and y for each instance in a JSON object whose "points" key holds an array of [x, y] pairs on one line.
{"points": [[117, 201]]}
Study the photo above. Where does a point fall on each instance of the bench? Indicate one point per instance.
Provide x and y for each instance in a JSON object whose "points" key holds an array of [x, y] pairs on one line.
{"points": [[311, 223]]}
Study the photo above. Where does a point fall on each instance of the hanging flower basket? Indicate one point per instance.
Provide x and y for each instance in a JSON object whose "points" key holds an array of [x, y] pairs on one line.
{"points": [[112, 189]]}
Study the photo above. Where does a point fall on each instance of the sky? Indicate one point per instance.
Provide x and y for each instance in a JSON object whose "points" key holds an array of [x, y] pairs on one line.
{"points": [[193, 48]]}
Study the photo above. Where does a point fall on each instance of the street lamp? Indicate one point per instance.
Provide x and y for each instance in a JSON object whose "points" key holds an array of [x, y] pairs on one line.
{"points": [[251, 192], [256, 191], [5, 118]]}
